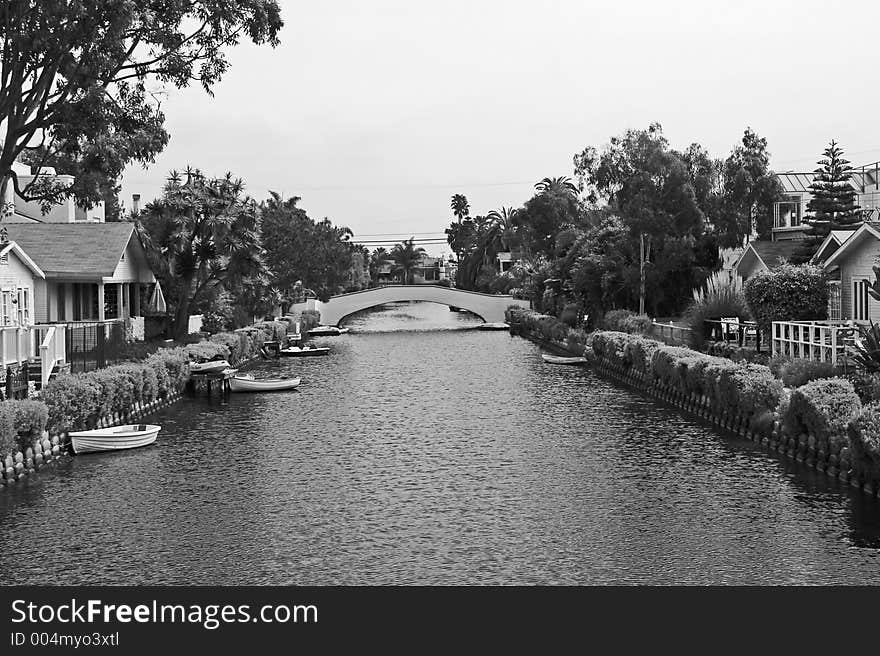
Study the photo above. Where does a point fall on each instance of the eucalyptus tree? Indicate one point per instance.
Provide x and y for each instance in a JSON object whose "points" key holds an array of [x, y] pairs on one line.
{"points": [[652, 189], [79, 80]]}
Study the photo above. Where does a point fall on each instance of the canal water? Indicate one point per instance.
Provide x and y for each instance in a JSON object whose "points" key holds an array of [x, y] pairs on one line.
{"points": [[425, 451]]}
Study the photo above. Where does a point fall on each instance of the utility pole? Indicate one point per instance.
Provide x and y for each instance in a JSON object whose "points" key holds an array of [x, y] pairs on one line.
{"points": [[644, 258]]}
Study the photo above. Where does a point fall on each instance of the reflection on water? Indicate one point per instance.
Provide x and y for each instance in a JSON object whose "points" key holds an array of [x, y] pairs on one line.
{"points": [[423, 451]]}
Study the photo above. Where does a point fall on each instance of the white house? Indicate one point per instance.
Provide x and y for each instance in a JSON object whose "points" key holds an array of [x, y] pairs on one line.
{"points": [[93, 271], [31, 212]]}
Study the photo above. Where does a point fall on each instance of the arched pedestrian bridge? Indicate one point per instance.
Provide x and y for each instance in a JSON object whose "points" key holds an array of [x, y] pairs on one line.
{"points": [[489, 307]]}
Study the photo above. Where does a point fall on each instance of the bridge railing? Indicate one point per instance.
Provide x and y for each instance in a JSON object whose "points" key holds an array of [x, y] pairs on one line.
{"points": [[420, 286]]}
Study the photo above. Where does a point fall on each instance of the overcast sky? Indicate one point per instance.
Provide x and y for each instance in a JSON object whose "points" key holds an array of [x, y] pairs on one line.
{"points": [[375, 113]]}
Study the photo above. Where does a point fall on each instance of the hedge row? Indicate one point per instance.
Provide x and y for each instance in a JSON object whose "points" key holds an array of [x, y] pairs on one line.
{"points": [[823, 408], [828, 409], [79, 401], [543, 325], [21, 422], [627, 321], [735, 387]]}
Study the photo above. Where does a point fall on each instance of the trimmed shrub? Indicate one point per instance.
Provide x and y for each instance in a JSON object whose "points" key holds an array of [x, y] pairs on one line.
{"points": [[613, 319], [74, 401], [29, 420], [823, 408], [171, 367], [749, 388], [614, 346], [795, 373], [867, 385], [273, 330], [577, 340], [543, 325], [217, 346], [789, 293], [627, 321], [864, 439], [640, 352], [8, 434], [727, 350], [569, 315], [309, 319], [664, 363]]}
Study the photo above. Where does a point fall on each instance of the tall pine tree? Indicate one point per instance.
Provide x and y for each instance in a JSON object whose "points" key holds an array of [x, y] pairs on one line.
{"points": [[833, 205]]}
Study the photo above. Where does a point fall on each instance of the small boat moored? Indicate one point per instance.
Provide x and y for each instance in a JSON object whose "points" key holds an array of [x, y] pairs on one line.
{"points": [[498, 325], [114, 438], [304, 351], [247, 383], [555, 359], [327, 331], [209, 367]]}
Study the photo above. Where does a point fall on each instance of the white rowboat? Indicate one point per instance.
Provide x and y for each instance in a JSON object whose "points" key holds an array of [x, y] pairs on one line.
{"points": [[322, 331], [114, 439], [305, 351], [555, 359], [210, 367], [247, 383]]}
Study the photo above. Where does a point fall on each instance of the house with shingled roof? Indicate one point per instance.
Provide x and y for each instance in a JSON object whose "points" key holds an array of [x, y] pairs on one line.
{"points": [[93, 271]]}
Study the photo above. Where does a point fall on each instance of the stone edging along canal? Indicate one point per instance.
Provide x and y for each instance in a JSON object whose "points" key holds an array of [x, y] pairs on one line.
{"points": [[51, 448], [800, 449]]}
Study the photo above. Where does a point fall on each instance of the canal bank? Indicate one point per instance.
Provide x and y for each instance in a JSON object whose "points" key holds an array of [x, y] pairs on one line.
{"points": [[762, 423], [424, 451], [116, 395]]}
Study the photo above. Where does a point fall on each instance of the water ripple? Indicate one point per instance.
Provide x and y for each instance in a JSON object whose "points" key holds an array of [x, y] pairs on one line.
{"points": [[421, 451]]}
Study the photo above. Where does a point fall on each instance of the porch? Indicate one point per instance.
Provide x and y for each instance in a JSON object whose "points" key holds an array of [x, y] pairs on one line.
{"points": [[42, 348]]}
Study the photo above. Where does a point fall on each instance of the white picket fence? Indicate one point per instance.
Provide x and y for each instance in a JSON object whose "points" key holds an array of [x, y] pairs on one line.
{"points": [[825, 341]]}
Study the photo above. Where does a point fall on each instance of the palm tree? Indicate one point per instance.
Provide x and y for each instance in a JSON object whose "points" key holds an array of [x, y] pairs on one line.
{"points": [[561, 184], [504, 219], [377, 259], [407, 257], [460, 206]]}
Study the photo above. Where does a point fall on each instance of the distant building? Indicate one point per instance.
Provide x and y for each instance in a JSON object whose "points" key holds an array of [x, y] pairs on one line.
{"points": [[789, 212], [30, 211], [788, 221]]}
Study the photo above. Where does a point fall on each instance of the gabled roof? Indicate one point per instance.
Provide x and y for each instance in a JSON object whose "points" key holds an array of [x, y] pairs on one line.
{"points": [[77, 250], [831, 243], [771, 253], [866, 231], [11, 246]]}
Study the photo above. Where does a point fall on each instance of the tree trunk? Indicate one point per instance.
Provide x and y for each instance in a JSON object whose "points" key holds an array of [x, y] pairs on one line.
{"points": [[5, 212], [181, 316]]}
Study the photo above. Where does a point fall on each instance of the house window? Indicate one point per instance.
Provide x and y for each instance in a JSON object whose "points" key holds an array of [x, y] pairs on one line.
{"points": [[22, 311], [6, 307], [834, 300], [4, 259], [788, 213], [860, 300]]}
